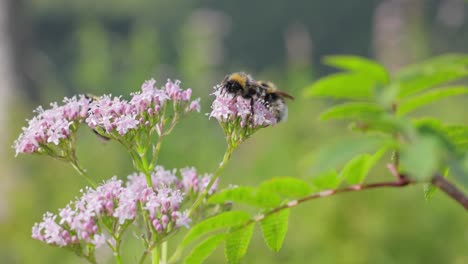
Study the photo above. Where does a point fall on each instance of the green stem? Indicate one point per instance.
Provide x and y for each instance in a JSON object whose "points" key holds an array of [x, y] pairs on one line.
{"points": [[118, 258], [155, 255], [143, 257], [82, 172], [222, 165], [156, 150], [196, 204], [164, 252]]}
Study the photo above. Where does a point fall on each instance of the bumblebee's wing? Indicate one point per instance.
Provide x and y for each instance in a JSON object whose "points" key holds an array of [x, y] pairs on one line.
{"points": [[285, 95]]}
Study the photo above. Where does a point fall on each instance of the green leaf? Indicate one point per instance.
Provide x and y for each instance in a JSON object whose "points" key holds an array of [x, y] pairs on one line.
{"points": [[420, 158], [223, 220], [246, 195], [287, 187], [237, 242], [385, 123], [326, 180], [337, 153], [436, 129], [359, 64], [205, 249], [342, 85], [274, 228], [458, 134], [429, 97], [355, 110], [433, 72], [356, 170]]}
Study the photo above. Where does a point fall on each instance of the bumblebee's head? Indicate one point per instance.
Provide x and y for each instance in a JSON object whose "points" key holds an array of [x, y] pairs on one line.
{"points": [[236, 83]]}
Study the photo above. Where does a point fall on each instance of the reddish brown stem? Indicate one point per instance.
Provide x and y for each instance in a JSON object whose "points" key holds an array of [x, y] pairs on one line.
{"points": [[451, 190], [403, 181]]}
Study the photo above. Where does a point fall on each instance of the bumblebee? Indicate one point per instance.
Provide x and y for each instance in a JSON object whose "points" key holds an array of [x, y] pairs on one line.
{"points": [[274, 100], [242, 84]]}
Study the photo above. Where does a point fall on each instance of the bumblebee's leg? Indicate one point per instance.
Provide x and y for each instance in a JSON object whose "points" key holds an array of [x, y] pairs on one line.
{"points": [[252, 108]]}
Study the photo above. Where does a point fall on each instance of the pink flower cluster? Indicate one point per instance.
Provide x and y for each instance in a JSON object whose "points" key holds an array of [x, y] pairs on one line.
{"points": [[112, 202], [52, 125], [121, 116], [228, 108]]}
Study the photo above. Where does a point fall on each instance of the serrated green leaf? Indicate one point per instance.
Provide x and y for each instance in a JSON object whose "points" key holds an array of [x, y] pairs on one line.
{"points": [[453, 138], [326, 180], [436, 129], [274, 229], [458, 134], [433, 72], [246, 195], [355, 110], [204, 249], [287, 187], [223, 220], [356, 170], [429, 97], [358, 64], [237, 242], [342, 85], [385, 123], [420, 158], [337, 153]]}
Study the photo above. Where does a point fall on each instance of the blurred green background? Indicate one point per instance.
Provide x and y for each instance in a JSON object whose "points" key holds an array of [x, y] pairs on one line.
{"points": [[51, 48]]}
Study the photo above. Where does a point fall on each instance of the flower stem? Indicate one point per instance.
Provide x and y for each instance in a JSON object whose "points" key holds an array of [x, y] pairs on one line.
{"points": [[155, 154], [227, 156], [155, 255], [82, 172], [222, 165], [164, 252], [118, 258]]}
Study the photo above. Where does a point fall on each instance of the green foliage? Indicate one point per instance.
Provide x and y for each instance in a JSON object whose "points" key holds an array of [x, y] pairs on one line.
{"points": [[421, 158], [237, 242], [274, 228], [359, 110], [326, 180], [418, 101], [246, 195], [342, 85], [337, 153], [357, 64], [431, 73], [205, 249], [287, 187], [356, 170], [425, 145], [358, 83], [215, 223]]}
